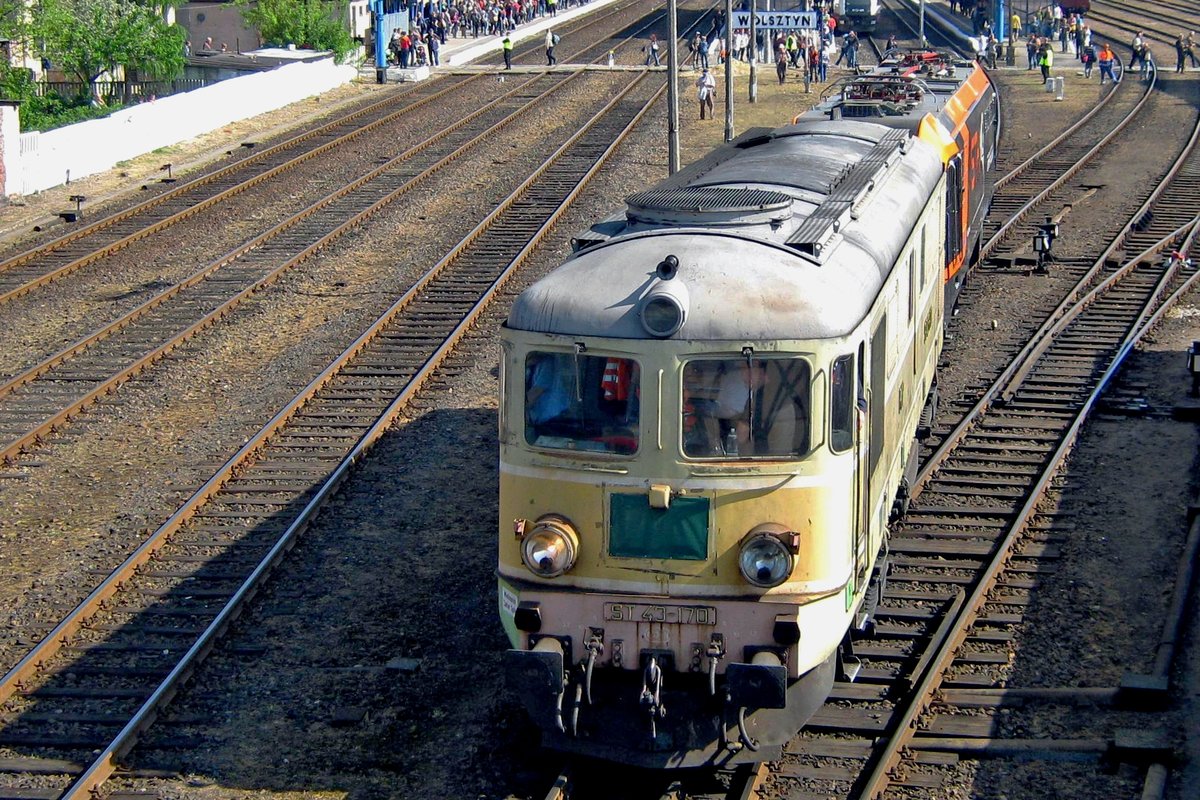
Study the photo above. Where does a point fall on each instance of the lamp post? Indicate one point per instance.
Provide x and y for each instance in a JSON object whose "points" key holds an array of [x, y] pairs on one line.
{"points": [[921, 30], [672, 89], [728, 70], [753, 56]]}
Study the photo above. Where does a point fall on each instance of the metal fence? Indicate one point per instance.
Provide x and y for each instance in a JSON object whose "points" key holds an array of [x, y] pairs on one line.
{"points": [[125, 92]]}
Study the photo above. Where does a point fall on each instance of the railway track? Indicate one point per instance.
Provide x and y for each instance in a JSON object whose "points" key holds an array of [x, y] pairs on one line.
{"points": [[1161, 21], [966, 561], [78, 701], [90, 244], [1163, 207], [1028, 186], [967, 556], [49, 393], [45, 396], [583, 781], [87, 245]]}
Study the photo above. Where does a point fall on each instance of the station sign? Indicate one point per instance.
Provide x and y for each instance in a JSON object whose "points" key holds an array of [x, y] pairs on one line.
{"points": [[776, 20]]}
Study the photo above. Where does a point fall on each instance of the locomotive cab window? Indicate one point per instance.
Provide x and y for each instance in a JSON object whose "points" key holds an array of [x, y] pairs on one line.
{"points": [[575, 401], [746, 408], [841, 405]]}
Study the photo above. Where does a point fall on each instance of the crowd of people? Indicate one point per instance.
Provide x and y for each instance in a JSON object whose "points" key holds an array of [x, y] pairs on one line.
{"points": [[1074, 37], [433, 22], [811, 52]]}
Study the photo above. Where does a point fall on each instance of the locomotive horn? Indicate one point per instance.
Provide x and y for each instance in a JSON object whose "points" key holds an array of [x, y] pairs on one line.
{"points": [[667, 268]]}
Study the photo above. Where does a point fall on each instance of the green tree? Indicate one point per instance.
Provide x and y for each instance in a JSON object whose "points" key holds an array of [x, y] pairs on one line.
{"points": [[88, 38], [316, 24]]}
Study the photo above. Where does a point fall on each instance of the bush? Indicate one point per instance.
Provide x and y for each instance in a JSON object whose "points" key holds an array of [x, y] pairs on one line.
{"points": [[49, 111], [54, 111]]}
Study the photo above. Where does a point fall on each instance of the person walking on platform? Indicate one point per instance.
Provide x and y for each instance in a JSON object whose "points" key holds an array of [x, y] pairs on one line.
{"points": [[706, 87], [1135, 48], [1031, 51], [405, 51], [506, 44], [1046, 60], [1106, 64], [1148, 65], [551, 43], [652, 51], [781, 62], [701, 61]]}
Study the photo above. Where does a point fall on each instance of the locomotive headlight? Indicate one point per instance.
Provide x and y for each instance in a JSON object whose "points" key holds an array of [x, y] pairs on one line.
{"points": [[551, 548], [664, 308], [765, 560]]}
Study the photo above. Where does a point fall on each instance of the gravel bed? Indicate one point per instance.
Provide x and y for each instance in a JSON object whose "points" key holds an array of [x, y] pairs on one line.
{"points": [[74, 306], [182, 418], [370, 666]]}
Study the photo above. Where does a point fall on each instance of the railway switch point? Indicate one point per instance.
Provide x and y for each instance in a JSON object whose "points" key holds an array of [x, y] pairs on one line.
{"points": [[170, 178], [1141, 746], [1143, 691]]}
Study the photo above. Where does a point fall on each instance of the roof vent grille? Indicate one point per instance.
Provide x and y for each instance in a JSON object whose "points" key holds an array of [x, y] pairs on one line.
{"points": [[708, 205]]}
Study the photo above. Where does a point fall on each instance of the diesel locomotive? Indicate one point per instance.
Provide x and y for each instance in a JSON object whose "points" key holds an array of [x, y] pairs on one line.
{"points": [[709, 414]]}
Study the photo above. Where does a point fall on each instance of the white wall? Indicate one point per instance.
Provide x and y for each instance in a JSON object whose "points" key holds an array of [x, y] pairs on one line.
{"points": [[75, 151]]}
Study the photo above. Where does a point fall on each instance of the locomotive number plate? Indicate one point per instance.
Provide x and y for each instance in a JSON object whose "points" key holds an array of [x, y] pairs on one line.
{"points": [[672, 615]]}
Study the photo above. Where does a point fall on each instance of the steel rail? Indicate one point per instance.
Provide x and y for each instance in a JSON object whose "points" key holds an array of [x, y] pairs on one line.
{"points": [[931, 22], [939, 454], [1023, 363], [105, 762], [562, 786], [534, 47], [1147, 25], [747, 780], [22, 669], [927, 675], [961, 620], [1024, 166], [204, 180], [1021, 213], [13, 448], [1029, 357]]}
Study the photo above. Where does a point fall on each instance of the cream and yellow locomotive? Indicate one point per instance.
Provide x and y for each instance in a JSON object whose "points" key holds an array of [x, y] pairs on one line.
{"points": [[708, 414]]}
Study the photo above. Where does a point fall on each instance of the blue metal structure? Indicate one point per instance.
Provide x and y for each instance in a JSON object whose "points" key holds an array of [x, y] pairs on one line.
{"points": [[390, 16]]}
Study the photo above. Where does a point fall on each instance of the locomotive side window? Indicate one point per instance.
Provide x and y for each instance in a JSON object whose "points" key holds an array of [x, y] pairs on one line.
{"points": [[841, 403], [923, 266], [746, 408], [582, 402]]}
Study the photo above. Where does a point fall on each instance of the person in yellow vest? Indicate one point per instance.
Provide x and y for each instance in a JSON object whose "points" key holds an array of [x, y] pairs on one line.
{"points": [[553, 6], [1046, 60], [507, 45]]}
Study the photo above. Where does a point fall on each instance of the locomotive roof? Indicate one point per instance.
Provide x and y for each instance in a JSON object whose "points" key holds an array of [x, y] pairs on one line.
{"points": [[790, 238], [900, 92]]}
